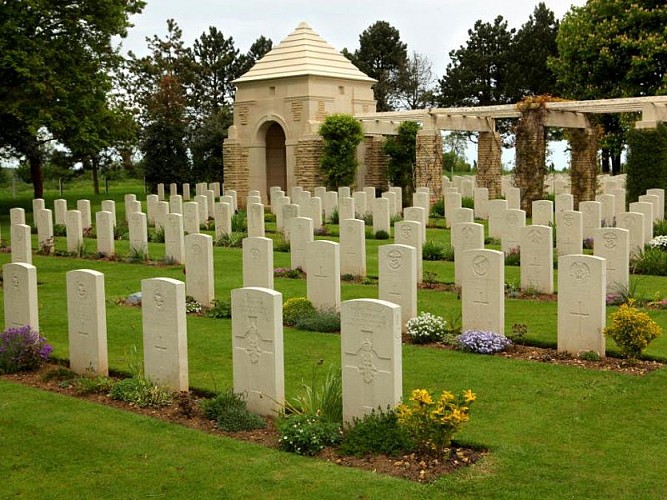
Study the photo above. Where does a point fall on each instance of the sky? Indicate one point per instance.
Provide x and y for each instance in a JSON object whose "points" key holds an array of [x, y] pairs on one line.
{"points": [[431, 28]]}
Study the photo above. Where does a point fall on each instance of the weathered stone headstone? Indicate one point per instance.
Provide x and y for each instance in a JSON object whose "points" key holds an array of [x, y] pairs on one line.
{"points": [[497, 209], [569, 232], [581, 304], [465, 236], [646, 209], [514, 221], [256, 220], [39, 204], [44, 222], [202, 205], [257, 348], [16, 216], [399, 198], [481, 196], [634, 223], [222, 215], [290, 212], [300, 234], [161, 211], [83, 206], [345, 208], [151, 205], [106, 245], [131, 207], [199, 268], [482, 290], [229, 199], [258, 262], [138, 235], [613, 245], [215, 187], [21, 243], [344, 192], [352, 247], [391, 198], [74, 231], [323, 279], [513, 198], [160, 191], [655, 201], [371, 356], [360, 204], [660, 193], [467, 188], [462, 215], [173, 189], [315, 212], [381, 220], [281, 201], [416, 214], [210, 201], [191, 222], [59, 211], [174, 244], [397, 281], [607, 203], [564, 202], [319, 192], [330, 204], [87, 322], [591, 215], [537, 259], [410, 233], [186, 192], [370, 194], [128, 199], [176, 204], [619, 200], [165, 333], [110, 206], [543, 213], [422, 199], [20, 295]]}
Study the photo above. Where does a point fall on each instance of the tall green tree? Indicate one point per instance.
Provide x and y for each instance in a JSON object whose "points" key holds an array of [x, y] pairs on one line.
{"points": [[415, 83], [258, 49], [55, 63], [381, 55], [479, 73], [341, 133], [402, 152]]}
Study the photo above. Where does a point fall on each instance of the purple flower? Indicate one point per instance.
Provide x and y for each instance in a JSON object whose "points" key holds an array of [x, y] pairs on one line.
{"points": [[22, 348], [482, 342]]}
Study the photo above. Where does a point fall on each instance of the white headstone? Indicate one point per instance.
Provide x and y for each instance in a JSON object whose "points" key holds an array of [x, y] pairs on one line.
{"points": [[345, 208], [513, 197], [138, 235], [660, 193], [16, 216], [191, 221], [569, 232], [514, 221], [21, 243], [300, 234], [174, 244], [74, 231], [344, 192], [467, 188], [257, 348], [256, 220], [39, 204], [151, 205], [44, 222], [482, 290], [564, 202], [199, 268], [398, 278], [83, 206], [543, 212], [371, 356], [465, 236], [160, 191], [591, 213], [202, 205], [645, 208], [537, 258], [391, 197], [59, 211], [210, 201], [607, 203], [497, 209], [416, 214], [106, 245], [330, 204], [20, 295], [481, 196], [258, 262], [360, 204], [613, 245], [222, 214], [110, 206], [634, 223], [581, 303], [161, 211], [619, 200], [315, 212], [352, 247], [655, 201], [281, 201], [186, 191], [323, 280], [176, 204], [290, 212], [410, 233], [381, 220], [462, 215], [165, 333], [421, 199], [87, 322], [399, 198], [173, 189]]}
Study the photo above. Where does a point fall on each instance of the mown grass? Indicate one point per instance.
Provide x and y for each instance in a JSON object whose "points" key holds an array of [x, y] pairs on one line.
{"points": [[552, 431]]}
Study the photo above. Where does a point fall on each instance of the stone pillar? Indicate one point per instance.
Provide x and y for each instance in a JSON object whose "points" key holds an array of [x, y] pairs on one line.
{"points": [[375, 162], [237, 171], [530, 156], [489, 167], [429, 162], [309, 151], [584, 146]]}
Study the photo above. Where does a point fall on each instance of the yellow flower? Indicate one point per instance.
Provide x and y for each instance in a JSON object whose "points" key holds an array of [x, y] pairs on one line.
{"points": [[469, 396], [421, 396]]}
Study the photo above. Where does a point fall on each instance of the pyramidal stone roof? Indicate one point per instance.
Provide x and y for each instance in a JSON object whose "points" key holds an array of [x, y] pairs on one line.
{"points": [[303, 52]]}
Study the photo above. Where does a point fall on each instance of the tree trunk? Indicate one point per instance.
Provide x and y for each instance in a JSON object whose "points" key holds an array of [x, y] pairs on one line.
{"points": [[604, 160], [616, 163], [94, 166], [35, 161]]}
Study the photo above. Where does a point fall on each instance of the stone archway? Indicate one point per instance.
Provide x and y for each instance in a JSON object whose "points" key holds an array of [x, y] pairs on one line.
{"points": [[276, 157]]}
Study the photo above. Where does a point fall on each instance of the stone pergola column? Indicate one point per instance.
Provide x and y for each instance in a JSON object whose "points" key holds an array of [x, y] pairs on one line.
{"points": [[375, 162], [307, 172], [429, 162], [530, 156], [236, 168], [489, 167], [584, 165]]}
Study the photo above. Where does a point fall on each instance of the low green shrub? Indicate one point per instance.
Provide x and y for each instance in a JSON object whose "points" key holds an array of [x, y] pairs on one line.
{"points": [[376, 433], [156, 235], [59, 230], [323, 398], [513, 258], [651, 260], [232, 240], [240, 222], [220, 309], [467, 202], [295, 308], [281, 245], [92, 384], [286, 272], [305, 434], [334, 218], [229, 410], [327, 321], [22, 349], [632, 330], [438, 208], [433, 250], [141, 392], [660, 228], [381, 235]]}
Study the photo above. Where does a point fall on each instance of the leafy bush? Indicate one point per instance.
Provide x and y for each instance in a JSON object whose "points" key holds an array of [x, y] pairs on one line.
{"points": [[89, 384], [239, 222], [323, 398], [305, 434], [432, 424], [156, 236], [294, 308], [229, 410], [327, 321], [220, 309], [281, 245], [438, 208], [402, 152], [513, 258], [141, 392], [482, 342], [375, 433], [426, 328], [59, 230], [22, 349], [433, 250], [381, 235], [341, 134], [649, 261], [646, 164], [334, 218], [467, 202], [632, 330], [233, 240]]}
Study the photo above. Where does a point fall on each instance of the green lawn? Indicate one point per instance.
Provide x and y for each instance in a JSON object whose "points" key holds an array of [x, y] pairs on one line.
{"points": [[553, 431]]}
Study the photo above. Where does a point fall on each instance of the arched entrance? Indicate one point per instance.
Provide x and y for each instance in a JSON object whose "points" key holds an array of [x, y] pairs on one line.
{"points": [[276, 157]]}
